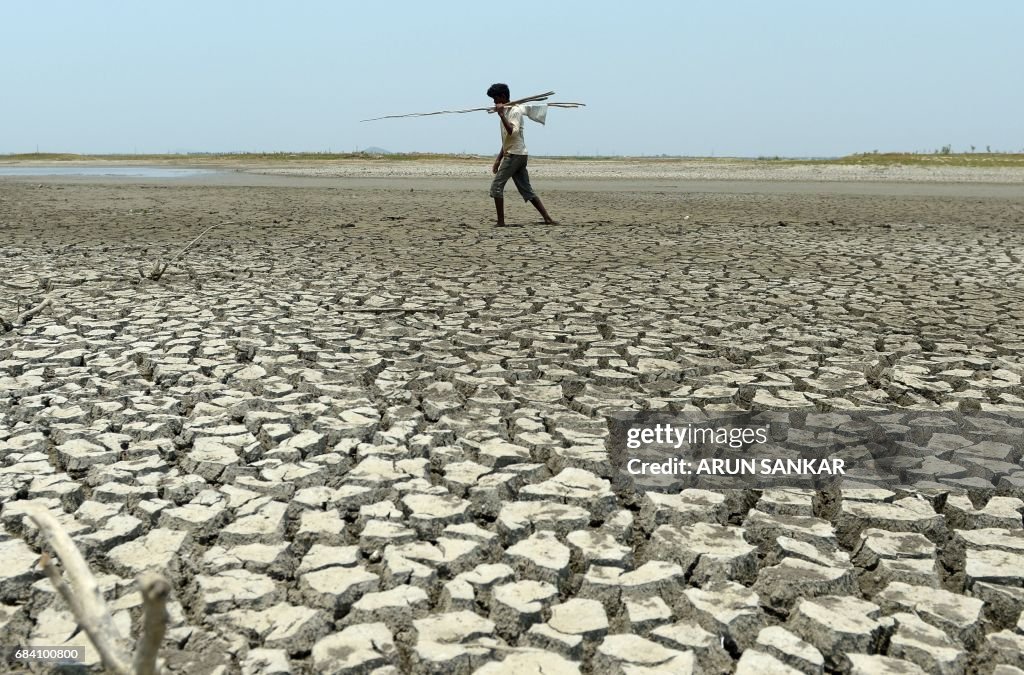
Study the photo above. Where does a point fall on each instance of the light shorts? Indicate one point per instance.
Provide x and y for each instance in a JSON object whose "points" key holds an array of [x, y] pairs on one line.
{"points": [[514, 167]]}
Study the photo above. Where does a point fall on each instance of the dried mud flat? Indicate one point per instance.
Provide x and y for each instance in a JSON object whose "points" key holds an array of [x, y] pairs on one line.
{"points": [[656, 169], [363, 431]]}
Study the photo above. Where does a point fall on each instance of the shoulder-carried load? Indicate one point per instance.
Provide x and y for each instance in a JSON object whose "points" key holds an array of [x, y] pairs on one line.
{"points": [[536, 112]]}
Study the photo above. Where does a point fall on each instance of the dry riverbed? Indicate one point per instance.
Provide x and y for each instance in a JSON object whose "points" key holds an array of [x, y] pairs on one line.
{"points": [[362, 430]]}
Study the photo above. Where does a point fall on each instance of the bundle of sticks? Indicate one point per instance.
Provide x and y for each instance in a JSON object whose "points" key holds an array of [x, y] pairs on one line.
{"points": [[529, 99]]}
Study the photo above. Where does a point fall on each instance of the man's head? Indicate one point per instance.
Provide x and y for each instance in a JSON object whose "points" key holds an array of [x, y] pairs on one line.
{"points": [[498, 93]]}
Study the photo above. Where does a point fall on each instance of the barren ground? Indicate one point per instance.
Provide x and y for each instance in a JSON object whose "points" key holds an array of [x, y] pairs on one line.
{"points": [[362, 430]]}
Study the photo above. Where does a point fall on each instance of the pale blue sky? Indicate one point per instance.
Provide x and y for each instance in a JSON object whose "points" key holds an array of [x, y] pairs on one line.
{"points": [[794, 78]]}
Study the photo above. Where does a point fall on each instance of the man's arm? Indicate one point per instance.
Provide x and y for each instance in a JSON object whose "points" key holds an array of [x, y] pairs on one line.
{"points": [[504, 120], [510, 127], [497, 162]]}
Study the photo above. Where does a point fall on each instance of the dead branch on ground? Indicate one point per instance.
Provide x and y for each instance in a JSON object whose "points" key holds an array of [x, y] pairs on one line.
{"points": [[384, 310], [155, 590], [80, 590], [27, 315], [158, 269]]}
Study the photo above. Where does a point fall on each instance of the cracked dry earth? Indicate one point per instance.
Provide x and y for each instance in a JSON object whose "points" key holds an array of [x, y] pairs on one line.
{"points": [[363, 431]]}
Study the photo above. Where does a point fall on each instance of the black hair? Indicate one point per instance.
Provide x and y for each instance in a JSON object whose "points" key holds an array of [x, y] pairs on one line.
{"points": [[498, 90]]}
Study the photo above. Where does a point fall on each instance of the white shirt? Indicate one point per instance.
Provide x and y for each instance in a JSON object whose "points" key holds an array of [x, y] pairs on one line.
{"points": [[513, 144]]}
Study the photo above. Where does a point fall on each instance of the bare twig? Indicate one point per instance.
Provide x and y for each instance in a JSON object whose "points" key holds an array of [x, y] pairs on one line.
{"points": [[380, 310], [189, 245], [85, 599], [158, 269], [155, 273], [46, 562], [16, 286], [83, 594], [24, 317], [155, 590]]}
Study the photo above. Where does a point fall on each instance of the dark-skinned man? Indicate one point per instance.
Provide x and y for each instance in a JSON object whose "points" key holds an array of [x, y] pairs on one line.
{"points": [[511, 161]]}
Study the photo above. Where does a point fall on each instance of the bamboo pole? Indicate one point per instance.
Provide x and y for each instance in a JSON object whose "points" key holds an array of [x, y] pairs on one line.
{"points": [[529, 99]]}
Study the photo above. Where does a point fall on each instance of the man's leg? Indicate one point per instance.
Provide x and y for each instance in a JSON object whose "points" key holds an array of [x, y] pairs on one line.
{"points": [[499, 205], [505, 170], [522, 180], [548, 220]]}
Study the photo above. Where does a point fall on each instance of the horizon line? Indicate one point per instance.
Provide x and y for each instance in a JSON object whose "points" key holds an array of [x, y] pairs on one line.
{"points": [[381, 153]]}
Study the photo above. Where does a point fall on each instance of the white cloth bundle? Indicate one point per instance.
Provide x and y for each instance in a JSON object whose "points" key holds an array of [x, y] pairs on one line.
{"points": [[538, 112]]}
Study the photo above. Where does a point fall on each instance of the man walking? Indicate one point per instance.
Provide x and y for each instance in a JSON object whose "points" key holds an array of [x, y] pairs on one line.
{"points": [[511, 161]]}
